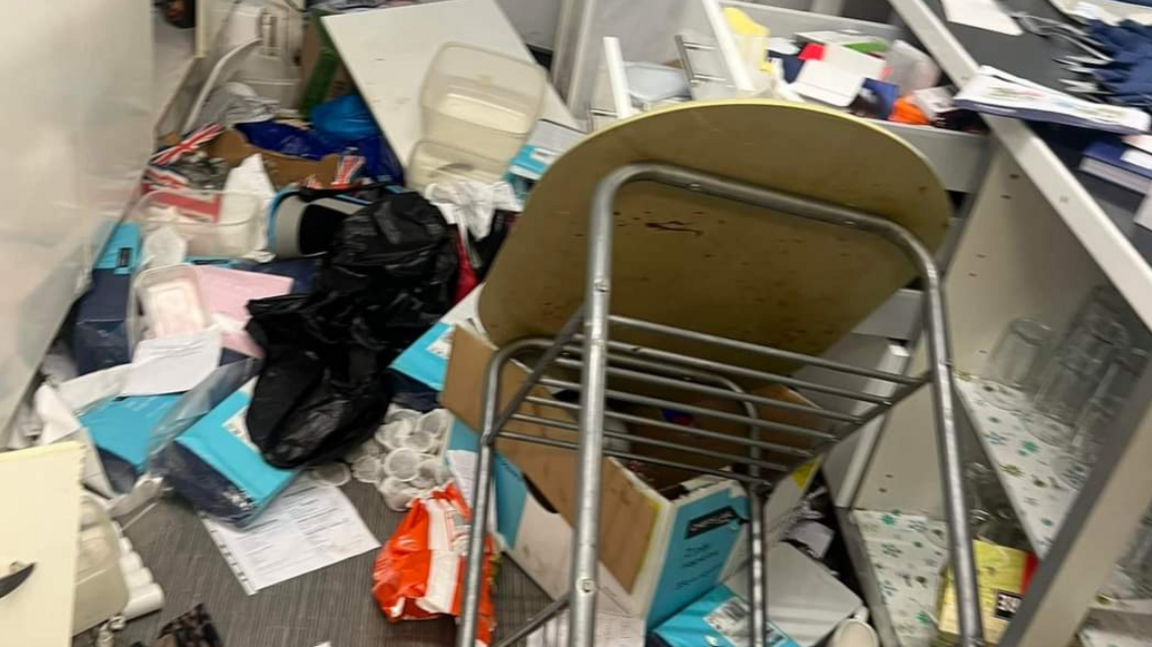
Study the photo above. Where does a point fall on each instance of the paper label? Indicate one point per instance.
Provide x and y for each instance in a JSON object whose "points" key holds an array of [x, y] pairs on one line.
{"points": [[442, 346], [238, 428], [730, 620]]}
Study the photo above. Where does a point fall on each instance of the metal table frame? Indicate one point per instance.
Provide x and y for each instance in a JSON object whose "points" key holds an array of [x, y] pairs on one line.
{"points": [[585, 343]]}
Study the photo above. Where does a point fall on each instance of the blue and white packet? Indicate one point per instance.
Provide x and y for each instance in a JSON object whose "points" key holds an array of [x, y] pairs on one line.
{"points": [[215, 465], [719, 619]]}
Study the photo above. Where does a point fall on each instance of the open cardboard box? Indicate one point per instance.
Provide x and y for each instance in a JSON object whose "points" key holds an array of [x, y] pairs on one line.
{"points": [[233, 148], [658, 553]]}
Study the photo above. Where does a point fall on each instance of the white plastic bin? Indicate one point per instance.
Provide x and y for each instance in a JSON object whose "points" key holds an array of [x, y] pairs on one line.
{"points": [[481, 101], [215, 223], [433, 162]]}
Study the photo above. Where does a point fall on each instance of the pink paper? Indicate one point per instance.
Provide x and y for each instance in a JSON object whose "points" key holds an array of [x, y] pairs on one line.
{"points": [[227, 293]]}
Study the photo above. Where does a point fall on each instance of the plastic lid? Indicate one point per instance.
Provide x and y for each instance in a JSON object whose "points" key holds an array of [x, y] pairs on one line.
{"points": [[420, 441], [401, 464], [397, 494], [435, 422], [392, 435], [367, 469]]}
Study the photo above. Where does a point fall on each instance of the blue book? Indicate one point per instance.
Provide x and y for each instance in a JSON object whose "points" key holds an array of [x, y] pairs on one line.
{"points": [[1112, 161]]}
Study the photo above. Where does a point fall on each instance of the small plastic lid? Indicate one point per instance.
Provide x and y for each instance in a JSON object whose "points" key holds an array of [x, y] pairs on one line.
{"points": [[396, 414], [392, 435], [430, 473], [421, 442], [402, 464], [435, 422], [397, 494], [367, 469], [332, 473]]}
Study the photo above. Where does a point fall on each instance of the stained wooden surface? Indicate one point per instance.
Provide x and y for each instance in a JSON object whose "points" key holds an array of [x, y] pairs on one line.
{"points": [[334, 604], [714, 265]]}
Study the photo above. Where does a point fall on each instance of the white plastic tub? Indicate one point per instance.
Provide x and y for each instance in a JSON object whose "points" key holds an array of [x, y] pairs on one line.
{"points": [[434, 162], [215, 223], [480, 101]]}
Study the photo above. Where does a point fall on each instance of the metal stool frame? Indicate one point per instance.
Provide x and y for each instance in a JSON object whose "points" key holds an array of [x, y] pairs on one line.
{"points": [[584, 343]]}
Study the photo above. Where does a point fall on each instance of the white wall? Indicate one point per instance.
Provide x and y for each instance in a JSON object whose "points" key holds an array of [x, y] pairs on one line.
{"points": [[76, 133], [534, 20]]}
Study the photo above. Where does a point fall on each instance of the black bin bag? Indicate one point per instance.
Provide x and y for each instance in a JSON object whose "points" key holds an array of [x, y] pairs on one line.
{"points": [[389, 275]]}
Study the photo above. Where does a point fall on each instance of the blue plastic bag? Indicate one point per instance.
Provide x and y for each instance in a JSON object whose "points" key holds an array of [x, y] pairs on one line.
{"points": [[343, 126]]}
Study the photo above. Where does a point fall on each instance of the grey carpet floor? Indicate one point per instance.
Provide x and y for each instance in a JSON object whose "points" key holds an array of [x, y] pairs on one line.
{"points": [[331, 605]]}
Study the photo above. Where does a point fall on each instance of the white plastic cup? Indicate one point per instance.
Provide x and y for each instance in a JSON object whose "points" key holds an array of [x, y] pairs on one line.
{"points": [[393, 434], [396, 414], [332, 473], [430, 473], [368, 469], [436, 422], [421, 442], [402, 464], [397, 494]]}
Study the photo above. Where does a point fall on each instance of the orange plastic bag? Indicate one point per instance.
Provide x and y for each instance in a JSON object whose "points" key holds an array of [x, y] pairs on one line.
{"points": [[419, 574]]}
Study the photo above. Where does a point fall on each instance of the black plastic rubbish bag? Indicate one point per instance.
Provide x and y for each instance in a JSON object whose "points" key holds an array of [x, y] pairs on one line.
{"points": [[389, 275]]}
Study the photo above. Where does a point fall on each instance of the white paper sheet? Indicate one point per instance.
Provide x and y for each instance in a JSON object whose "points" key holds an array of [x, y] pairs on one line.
{"points": [[462, 464], [611, 631], [827, 83], [311, 525], [60, 424], [850, 60], [1138, 157], [82, 392], [982, 14], [1143, 142], [173, 364]]}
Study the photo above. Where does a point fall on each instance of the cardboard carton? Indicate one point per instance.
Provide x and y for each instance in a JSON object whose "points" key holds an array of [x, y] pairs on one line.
{"points": [[233, 148], [658, 553]]}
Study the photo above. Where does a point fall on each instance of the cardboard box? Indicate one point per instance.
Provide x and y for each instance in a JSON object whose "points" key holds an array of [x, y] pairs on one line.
{"points": [[657, 554], [233, 148]]}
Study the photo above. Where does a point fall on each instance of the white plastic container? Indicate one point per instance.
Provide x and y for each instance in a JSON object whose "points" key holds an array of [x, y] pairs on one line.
{"points": [[397, 494], [368, 469], [433, 163], [101, 590], [172, 301], [391, 435], [436, 422], [402, 464], [481, 101], [215, 223]]}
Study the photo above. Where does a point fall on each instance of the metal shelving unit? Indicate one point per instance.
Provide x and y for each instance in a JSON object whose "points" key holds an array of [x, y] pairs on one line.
{"points": [[1040, 236]]}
